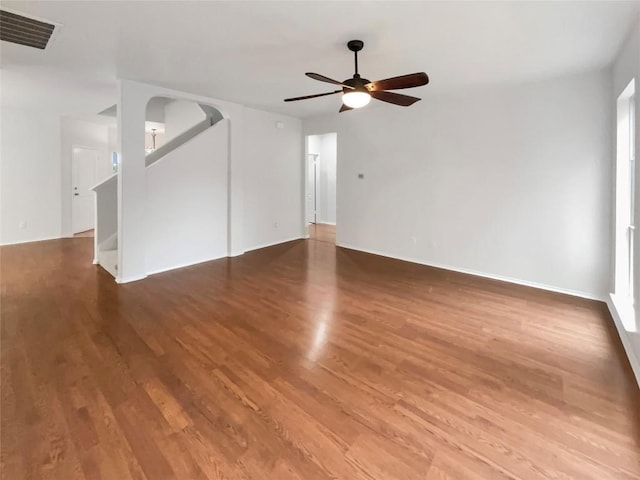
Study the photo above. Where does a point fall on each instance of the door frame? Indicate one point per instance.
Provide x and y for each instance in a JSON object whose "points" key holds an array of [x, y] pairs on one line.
{"points": [[315, 187], [71, 173]]}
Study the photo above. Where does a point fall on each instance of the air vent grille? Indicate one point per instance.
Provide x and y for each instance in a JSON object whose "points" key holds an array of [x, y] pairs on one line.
{"points": [[22, 30]]}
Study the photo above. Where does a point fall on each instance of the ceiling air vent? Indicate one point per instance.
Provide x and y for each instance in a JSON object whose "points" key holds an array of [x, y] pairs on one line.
{"points": [[23, 30]]}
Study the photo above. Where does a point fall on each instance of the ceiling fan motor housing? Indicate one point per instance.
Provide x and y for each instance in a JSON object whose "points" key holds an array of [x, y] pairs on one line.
{"points": [[357, 83]]}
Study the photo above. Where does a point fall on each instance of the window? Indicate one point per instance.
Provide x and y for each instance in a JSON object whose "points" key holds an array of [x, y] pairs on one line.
{"points": [[114, 162], [625, 197]]}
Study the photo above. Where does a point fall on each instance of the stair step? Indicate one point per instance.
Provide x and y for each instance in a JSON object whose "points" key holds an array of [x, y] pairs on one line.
{"points": [[108, 259]]}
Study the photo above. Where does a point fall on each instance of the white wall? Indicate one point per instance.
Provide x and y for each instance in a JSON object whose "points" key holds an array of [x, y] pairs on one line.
{"points": [[272, 179], [325, 146], [187, 202], [132, 176], [313, 144], [265, 169], [81, 133], [180, 116], [34, 142], [155, 109], [513, 182], [30, 176], [112, 139]]}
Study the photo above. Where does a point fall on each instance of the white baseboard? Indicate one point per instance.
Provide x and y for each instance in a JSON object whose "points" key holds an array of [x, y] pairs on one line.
{"points": [[96, 261], [634, 361], [130, 279], [20, 242], [251, 249], [183, 265], [326, 223], [517, 281]]}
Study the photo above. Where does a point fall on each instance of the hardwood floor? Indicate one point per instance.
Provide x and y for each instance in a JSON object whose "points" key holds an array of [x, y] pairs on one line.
{"points": [[304, 361], [322, 232]]}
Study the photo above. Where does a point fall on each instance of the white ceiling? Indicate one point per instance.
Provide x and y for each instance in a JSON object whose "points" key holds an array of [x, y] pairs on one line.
{"points": [[256, 53]]}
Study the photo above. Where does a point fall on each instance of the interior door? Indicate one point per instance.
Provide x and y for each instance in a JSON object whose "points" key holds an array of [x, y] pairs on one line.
{"points": [[311, 188], [83, 171]]}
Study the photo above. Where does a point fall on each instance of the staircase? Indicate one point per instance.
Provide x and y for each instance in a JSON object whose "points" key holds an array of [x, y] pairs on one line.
{"points": [[108, 259], [106, 230]]}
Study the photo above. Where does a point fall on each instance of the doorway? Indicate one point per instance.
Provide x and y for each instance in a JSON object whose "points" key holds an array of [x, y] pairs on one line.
{"points": [[311, 188], [84, 163], [320, 191]]}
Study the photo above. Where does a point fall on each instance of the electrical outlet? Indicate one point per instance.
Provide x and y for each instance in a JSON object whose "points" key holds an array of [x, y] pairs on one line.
{"points": [[23, 225], [275, 224], [413, 239]]}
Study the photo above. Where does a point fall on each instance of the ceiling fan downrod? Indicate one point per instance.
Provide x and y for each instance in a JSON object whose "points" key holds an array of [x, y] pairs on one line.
{"points": [[355, 46]]}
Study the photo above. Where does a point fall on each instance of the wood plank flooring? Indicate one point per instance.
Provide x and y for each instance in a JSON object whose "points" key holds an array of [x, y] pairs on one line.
{"points": [[304, 361], [322, 232]]}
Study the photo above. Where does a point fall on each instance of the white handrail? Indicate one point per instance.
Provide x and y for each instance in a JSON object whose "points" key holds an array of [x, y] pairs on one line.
{"points": [[176, 142]]}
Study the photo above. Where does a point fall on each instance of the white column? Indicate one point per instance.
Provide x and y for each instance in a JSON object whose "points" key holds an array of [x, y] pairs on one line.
{"points": [[132, 185], [235, 192]]}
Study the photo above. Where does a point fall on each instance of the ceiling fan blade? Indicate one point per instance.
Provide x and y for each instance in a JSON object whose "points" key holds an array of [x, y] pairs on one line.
{"points": [[344, 108], [311, 96], [396, 83], [322, 78], [395, 98]]}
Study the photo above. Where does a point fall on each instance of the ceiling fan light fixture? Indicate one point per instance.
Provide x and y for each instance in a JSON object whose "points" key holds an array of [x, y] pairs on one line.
{"points": [[356, 99], [357, 91]]}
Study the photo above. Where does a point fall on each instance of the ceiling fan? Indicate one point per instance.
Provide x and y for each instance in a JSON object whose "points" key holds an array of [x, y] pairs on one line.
{"points": [[357, 91]]}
